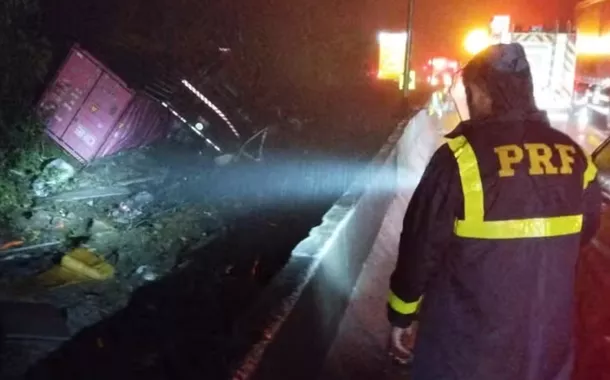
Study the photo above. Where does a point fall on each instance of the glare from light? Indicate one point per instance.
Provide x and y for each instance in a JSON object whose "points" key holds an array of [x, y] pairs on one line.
{"points": [[583, 118], [582, 100], [556, 116], [391, 55], [392, 37], [199, 126], [447, 79], [440, 63], [599, 109], [477, 41], [596, 99], [211, 105], [593, 45]]}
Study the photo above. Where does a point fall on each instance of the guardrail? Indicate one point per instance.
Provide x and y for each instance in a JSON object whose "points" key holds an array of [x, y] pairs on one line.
{"points": [[308, 298]]}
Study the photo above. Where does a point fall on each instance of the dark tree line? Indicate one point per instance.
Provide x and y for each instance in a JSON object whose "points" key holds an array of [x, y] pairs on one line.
{"points": [[24, 59], [23, 68], [296, 43]]}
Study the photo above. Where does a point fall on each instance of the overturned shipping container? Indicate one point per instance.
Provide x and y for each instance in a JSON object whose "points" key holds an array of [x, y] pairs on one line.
{"points": [[91, 112], [83, 104]]}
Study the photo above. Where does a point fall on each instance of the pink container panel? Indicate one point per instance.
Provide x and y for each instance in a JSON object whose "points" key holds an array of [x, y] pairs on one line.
{"points": [[97, 117], [143, 122], [64, 97]]}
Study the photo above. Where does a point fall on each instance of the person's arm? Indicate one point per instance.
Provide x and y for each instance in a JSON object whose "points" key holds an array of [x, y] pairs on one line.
{"points": [[592, 204], [427, 229]]}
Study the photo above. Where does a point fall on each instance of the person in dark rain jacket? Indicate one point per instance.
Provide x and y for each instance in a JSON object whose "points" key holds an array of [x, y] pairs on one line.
{"points": [[491, 237]]}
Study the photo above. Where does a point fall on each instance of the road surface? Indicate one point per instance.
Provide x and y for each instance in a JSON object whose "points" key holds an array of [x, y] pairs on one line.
{"points": [[359, 348], [587, 136]]}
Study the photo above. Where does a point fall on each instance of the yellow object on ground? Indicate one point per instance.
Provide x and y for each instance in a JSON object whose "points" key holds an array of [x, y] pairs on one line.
{"points": [[77, 266]]}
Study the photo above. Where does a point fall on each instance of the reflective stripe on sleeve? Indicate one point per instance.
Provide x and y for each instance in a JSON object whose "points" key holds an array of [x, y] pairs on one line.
{"points": [[401, 306], [590, 173]]}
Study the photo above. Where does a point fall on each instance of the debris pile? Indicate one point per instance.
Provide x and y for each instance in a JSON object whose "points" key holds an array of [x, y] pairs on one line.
{"points": [[125, 211], [53, 176]]}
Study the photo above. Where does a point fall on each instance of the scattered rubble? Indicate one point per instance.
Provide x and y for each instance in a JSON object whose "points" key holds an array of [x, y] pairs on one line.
{"points": [[132, 208], [146, 273], [120, 221], [53, 176], [96, 234]]}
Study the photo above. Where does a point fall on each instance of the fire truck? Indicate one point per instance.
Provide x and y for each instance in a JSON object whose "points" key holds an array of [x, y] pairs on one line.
{"points": [[570, 63], [551, 52]]}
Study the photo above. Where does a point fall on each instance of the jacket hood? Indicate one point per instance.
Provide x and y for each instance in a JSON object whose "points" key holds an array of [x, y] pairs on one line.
{"points": [[504, 72]]}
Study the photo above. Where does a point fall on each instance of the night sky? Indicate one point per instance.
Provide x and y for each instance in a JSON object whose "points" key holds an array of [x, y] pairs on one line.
{"points": [[298, 42]]}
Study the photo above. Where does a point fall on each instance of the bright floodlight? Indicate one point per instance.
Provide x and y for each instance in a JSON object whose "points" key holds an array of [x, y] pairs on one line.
{"points": [[199, 126], [476, 41], [592, 44]]}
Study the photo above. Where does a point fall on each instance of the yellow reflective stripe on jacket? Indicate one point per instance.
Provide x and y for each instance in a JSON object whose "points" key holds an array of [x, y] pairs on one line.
{"points": [[401, 306], [519, 228], [472, 187], [590, 173], [474, 224]]}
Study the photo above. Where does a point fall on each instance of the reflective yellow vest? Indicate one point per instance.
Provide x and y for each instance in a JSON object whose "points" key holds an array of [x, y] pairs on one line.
{"points": [[474, 224]]}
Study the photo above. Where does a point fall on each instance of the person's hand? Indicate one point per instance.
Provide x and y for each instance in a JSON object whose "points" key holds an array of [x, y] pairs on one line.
{"points": [[401, 344]]}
